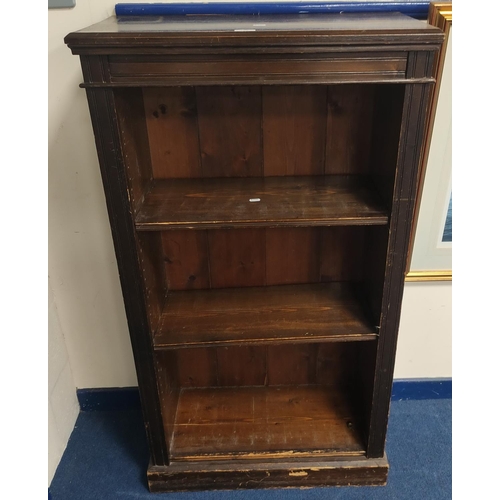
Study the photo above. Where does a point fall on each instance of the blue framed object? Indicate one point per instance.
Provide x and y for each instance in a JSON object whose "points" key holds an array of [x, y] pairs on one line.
{"points": [[414, 8]]}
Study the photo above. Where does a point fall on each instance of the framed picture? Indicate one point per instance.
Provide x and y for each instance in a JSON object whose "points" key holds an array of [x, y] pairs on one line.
{"points": [[431, 242]]}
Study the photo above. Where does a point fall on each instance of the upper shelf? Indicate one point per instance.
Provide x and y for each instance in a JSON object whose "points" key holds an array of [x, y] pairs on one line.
{"points": [[260, 202]]}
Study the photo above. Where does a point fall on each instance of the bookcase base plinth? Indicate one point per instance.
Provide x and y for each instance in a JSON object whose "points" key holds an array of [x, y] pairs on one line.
{"points": [[243, 474]]}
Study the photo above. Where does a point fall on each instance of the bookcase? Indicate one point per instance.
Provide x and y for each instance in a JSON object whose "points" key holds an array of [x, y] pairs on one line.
{"points": [[260, 178]]}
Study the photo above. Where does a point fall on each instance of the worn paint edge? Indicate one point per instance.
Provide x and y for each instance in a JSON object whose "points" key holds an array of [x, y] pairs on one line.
{"points": [[127, 398]]}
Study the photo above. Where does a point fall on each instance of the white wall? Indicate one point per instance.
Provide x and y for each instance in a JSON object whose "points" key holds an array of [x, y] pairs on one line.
{"points": [[63, 406], [82, 264], [424, 342], [84, 294]]}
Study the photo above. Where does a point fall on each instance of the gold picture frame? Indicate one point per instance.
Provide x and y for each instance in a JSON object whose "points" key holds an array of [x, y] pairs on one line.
{"points": [[440, 15]]}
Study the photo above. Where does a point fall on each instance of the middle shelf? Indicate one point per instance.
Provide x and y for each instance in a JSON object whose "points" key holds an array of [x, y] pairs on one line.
{"points": [[212, 203], [262, 315]]}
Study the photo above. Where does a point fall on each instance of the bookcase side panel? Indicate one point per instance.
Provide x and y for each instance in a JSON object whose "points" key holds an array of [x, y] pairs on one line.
{"points": [[103, 112], [416, 101]]}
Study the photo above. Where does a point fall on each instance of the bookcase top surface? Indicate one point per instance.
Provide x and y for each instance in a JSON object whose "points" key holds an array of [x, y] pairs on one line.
{"points": [[329, 29]]}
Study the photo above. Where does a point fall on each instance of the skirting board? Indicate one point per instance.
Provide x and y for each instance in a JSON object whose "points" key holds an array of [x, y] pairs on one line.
{"points": [[127, 398]]}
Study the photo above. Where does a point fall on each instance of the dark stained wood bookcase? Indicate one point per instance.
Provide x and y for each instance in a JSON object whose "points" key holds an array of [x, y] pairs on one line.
{"points": [[260, 177]]}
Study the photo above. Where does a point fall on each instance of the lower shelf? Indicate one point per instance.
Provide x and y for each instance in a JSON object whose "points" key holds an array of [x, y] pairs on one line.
{"points": [[264, 423]]}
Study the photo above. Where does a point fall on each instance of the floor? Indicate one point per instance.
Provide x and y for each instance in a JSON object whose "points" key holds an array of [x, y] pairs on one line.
{"points": [[106, 458]]}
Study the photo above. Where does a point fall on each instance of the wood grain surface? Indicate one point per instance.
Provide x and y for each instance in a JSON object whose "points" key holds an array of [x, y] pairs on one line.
{"points": [[280, 314], [279, 202], [171, 117], [257, 422], [229, 120]]}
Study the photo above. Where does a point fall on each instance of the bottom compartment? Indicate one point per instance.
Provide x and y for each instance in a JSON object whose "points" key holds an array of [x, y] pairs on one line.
{"points": [[258, 422], [286, 402]]}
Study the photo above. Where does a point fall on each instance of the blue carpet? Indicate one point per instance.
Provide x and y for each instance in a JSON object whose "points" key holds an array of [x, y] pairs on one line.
{"points": [[107, 457]]}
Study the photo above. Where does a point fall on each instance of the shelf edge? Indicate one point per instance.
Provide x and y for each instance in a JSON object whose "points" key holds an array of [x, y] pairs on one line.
{"points": [[166, 226], [362, 337]]}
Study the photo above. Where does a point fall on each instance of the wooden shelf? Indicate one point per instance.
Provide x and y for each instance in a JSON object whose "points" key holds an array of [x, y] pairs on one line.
{"points": [[262, 315], [283, 201], [257, 422]]}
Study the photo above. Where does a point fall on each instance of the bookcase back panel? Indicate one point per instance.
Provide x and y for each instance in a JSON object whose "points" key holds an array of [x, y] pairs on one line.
{"points": [[172, 125], [297, 249], [257, 257], [248, 131], [294, 130], [280, 365], [349, 129], [237, 259], [230, 131]]}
